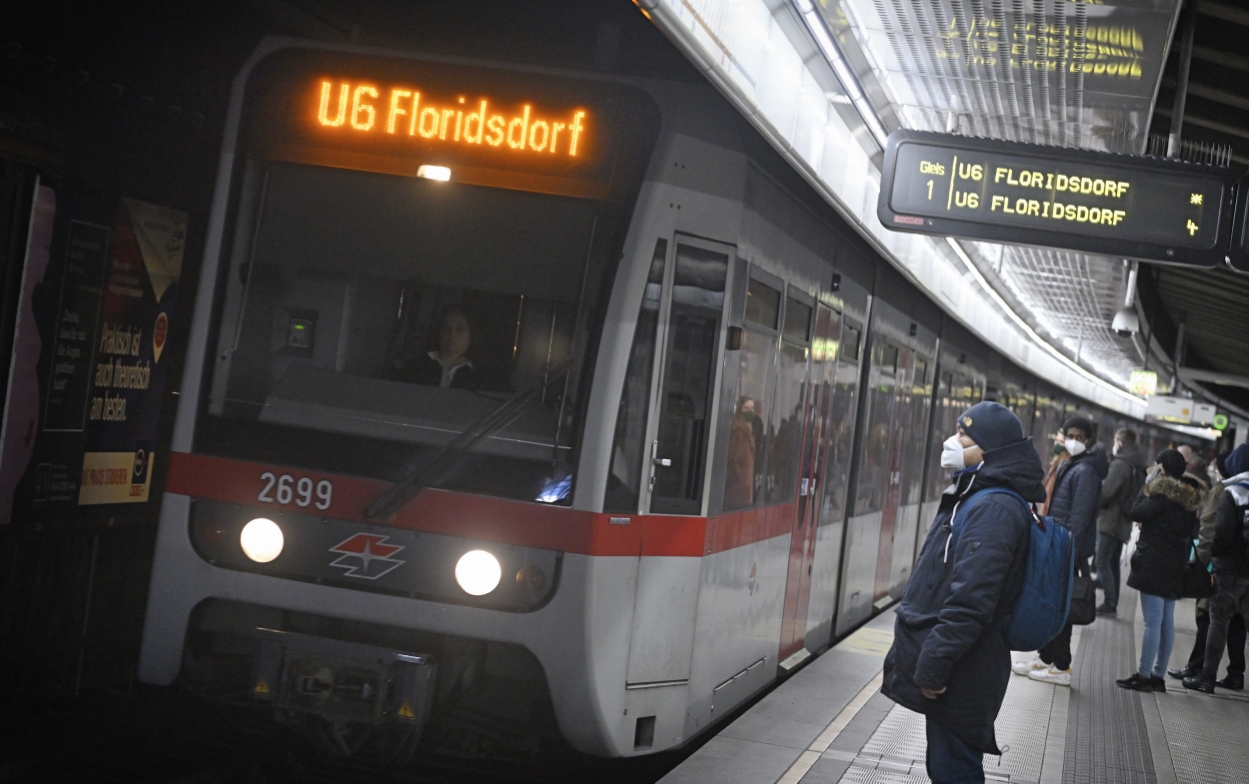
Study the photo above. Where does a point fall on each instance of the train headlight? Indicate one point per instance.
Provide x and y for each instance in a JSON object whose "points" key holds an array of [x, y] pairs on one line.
{"points": [[262, 540], [478, 572]]}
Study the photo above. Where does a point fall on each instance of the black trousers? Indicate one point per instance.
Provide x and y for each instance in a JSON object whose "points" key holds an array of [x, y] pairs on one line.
{"points": [[1235, 644], [1058, 650]]}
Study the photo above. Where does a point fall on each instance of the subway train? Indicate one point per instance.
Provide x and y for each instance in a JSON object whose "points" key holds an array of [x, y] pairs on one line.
{"points": [[523, 405]]}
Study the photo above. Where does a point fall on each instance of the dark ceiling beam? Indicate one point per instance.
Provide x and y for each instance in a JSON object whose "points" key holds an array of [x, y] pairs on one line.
{"points": [[1224, 12], [1212, 94], [1230, 130], [1220, 57]]}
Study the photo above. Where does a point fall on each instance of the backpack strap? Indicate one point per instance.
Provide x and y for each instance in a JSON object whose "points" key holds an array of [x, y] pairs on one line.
{"points": [[956, 519]]}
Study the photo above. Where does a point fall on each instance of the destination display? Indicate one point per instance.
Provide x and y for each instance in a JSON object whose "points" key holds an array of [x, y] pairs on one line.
{"points": [[1144, 208], [474, 125]]}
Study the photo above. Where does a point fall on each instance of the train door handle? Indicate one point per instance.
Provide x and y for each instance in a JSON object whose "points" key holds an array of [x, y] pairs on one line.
{"points": [[662, 461]]}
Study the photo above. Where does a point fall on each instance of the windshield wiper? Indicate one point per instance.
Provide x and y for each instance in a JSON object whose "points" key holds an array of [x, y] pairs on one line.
{"points": [[400, 493]]}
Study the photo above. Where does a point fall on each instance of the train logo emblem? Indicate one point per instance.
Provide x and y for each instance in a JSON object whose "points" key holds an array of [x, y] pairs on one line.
{"points": [[366, 556]]}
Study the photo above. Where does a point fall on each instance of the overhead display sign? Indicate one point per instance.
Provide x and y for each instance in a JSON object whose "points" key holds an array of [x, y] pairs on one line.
{"points": [[1143, 383], [1180, 410], [1143, 208], [1238, 256]]}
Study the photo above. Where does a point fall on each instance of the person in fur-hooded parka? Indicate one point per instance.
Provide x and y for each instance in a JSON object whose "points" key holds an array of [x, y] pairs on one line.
{"points": [[1167, 512]]}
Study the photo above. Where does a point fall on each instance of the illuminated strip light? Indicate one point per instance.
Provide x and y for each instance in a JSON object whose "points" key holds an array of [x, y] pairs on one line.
{"points": [[1030, 332], [844, 75]]}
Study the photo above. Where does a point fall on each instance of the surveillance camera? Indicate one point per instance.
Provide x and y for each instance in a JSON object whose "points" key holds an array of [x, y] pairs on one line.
{"points": [[1126, 323]]}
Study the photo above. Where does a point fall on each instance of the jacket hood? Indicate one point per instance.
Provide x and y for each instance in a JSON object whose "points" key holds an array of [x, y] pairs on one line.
{"points": [[1133, 455], [1238, 461], [1178, 491], [1015, 466]]}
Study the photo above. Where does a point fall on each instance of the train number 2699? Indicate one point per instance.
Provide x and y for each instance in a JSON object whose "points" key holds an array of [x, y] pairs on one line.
{"points": [[286, 489]]}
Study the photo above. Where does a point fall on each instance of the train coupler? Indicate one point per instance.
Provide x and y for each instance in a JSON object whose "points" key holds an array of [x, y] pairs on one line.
{"points": [[341, 682]]}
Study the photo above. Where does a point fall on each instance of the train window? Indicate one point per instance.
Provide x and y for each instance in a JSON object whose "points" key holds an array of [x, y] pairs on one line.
{"points": [[797, 320], [841, 432], [763, 304], [888, 358], [918, 397], [687, 390], [424, 306], [873, 480], [785, 427], [624, 481], [851, 339], [943, 427], [747, 453]]}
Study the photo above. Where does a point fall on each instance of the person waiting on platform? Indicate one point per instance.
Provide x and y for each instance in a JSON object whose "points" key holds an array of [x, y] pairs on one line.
{"points": [[1077, 495], [1061, 456], [1235, 679], [1228, 551], [1166, 511], [949, 658], [449, 365], [1114, 528]]}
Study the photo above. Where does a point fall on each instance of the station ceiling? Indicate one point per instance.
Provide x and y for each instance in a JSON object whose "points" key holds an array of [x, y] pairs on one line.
{"points": [[1095, 75]]}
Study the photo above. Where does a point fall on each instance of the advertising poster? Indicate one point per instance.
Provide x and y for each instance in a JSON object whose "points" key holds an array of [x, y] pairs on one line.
{"points": [[102, 323], [21, 401]]}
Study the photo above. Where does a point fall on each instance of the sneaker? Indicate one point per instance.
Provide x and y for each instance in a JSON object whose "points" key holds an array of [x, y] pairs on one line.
{"points": [[1232, 682], [1105, 610], [1158, 684], [1025, 667], [1183, 672], [1198, 683], [1136, 682], [1052, 675]]}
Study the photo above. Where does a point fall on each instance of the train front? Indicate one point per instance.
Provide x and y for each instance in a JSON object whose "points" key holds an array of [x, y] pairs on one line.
{"points": [[368, 518]]}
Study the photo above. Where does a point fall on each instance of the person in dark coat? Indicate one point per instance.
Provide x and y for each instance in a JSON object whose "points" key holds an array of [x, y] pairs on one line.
{"points": [[1166, 511], [1114, 529], [1229, 554], [1075, 503], [949, 658], [1235, 679]]}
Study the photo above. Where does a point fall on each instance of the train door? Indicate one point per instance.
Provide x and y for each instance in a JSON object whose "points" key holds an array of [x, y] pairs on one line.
{"points": [[684, 391], [689, 346], [811, 467], [895, 366], [796, 443]]}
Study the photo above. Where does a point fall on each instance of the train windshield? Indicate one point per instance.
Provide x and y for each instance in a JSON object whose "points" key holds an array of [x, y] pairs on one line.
{"points": [[367, 320]]}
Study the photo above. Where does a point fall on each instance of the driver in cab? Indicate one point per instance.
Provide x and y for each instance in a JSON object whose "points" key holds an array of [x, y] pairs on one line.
{"points": [[449, 365]]}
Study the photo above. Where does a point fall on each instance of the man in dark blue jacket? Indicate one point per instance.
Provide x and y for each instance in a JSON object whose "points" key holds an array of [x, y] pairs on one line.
{"points": [[949, 658], [1075, 503]]}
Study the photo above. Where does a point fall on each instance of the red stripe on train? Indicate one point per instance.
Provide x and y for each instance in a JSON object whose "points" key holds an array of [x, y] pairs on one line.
{"points": [[482, 517]]}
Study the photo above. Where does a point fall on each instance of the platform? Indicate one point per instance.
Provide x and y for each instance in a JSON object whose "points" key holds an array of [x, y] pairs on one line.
{"points": [[829, 723]]}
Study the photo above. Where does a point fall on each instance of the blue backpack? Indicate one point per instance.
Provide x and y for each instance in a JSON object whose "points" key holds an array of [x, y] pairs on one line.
{"points": [[1041, 611]]}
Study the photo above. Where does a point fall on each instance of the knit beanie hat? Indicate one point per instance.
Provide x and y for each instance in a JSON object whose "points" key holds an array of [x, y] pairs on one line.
{"points": [[1172, 463], [1238, 461], [991, 425], [1081, 423]]}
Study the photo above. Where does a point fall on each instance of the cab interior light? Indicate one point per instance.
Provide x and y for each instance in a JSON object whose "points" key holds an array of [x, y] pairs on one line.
{"points": [[262, 540], [478, 572], [430, 172]]}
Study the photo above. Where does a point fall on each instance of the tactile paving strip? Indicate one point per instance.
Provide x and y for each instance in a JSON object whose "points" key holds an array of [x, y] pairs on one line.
{"points": [[1107, 739], [1207, 735], [895, 752]]}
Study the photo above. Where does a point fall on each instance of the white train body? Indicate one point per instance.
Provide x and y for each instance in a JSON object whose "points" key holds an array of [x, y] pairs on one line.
{"points": [[661, 602]]}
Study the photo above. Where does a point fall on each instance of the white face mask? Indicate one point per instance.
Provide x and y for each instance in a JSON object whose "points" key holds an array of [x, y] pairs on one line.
{"points": [[1115, 451], [1074, 448], [952, 455]]}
